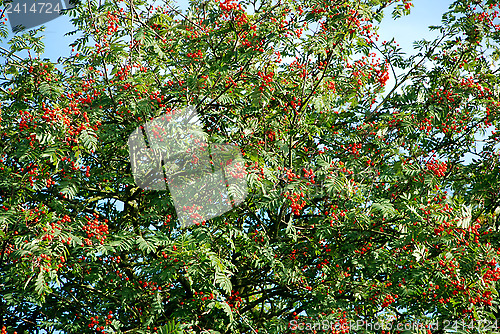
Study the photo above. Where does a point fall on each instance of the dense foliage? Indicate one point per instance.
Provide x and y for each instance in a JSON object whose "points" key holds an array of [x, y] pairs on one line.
{"points": [[367, 201]]}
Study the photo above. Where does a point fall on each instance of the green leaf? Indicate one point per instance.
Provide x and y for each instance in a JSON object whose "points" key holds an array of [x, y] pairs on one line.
{"points": [[172, 327], [223, 281], [145, 245], [40, 285], [50, 90], [88, 139], [68, 189]]}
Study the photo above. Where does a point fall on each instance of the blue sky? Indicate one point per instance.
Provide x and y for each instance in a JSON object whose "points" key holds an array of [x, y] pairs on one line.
{"points": [[405, 30], [410, 28]]}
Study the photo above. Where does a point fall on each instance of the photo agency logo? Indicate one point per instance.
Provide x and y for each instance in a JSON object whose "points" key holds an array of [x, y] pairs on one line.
{"points": [[27, 14], [204, 180]]}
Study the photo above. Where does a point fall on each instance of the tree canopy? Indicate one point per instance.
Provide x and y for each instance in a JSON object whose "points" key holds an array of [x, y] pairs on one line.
{"points": [[369, 199]]}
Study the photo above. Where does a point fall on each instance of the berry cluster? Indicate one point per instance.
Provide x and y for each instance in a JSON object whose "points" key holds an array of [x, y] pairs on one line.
{"points": [[439, 169], [234, 301], [97, 229], [297, 202], [389, 299]]}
